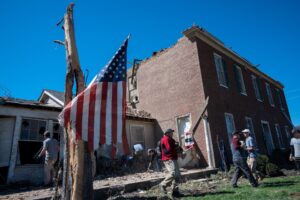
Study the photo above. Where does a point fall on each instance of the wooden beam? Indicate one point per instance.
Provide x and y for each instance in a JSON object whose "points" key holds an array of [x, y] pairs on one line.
{"points": [[195, 126]]}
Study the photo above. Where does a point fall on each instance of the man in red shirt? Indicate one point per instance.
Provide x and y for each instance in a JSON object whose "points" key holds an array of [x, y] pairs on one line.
{"points": [[169, 158]]}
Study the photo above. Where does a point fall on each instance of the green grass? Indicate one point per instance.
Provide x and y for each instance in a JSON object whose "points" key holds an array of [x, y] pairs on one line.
{"points": [[282, 188]]}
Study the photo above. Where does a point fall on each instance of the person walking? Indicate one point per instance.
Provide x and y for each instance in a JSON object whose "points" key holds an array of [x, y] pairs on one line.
{"points": [[295, 147], [251, 148], [239, 156], [154, 160], [50, 150], [169, 158]]}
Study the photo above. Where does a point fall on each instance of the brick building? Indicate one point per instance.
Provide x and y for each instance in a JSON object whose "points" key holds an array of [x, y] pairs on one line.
{"points": [[173, 84]]}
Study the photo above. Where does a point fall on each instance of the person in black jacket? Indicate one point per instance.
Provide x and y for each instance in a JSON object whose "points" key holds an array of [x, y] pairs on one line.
{"points": [[239, 158]]}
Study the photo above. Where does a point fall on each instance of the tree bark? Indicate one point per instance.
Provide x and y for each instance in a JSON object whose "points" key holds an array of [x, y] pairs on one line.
{"points": [[78, 179]]}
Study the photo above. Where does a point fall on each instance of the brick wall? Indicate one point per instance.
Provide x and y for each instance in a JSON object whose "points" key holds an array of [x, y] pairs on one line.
{"points": [[170, 85], [231, 101]]}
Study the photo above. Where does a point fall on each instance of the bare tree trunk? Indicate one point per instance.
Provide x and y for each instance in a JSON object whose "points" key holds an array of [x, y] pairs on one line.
{"points": [[78, 179]]}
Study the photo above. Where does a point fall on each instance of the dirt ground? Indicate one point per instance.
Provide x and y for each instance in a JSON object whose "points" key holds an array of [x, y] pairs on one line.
{"points": [[197, 187], [21, 192]]}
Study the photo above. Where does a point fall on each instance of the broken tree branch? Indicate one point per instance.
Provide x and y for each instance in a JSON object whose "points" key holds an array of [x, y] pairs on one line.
{"points": [[60, 22], [59, 42]]}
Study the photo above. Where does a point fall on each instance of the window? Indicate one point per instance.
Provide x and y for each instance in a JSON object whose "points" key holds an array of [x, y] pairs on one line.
{"points": [[269, 93], [249, 125], [230, 126], [239, 80], [256, 88], [31, 140], [32, 130], [267, 136], [287, 133], [279, 136], [221, 70], [57, 131], [279, 99], [137, 135], [183, 125]]}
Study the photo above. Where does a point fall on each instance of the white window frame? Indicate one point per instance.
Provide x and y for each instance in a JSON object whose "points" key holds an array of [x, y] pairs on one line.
{"points": [[182, 116], [272, 143], [241, 80], [251, 128], [220, 70], [258, 95], [269, 94], [229, 132], [279, 136]]}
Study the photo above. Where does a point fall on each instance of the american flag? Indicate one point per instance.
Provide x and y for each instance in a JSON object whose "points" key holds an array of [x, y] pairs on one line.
{"points": [[97, 114]]}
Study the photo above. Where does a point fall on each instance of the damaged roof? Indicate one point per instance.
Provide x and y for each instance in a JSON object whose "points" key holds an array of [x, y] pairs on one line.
{"points": [[202, 34], [26, 103]]}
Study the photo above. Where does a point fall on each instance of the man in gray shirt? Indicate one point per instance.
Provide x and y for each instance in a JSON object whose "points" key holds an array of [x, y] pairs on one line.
{"points": [[251, 148], [50, 150]]}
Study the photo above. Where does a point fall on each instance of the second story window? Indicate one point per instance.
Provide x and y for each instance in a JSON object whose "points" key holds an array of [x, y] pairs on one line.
{"points": [[256, 88], [221, 70], [269, 93], [279, 99], [239, 80]]}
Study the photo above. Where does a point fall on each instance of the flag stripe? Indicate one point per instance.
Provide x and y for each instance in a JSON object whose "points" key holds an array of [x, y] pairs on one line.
{"points": [[73, 116], [67, 114], [124, 135], [103, 114], [108, 113], [91, 117], [120, 112], [85, 116], [79, 117], [97, 116], [114, 116]]}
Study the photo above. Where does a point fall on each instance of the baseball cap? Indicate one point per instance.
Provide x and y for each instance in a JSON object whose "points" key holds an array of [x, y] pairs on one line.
{"points": [[169, 130]]}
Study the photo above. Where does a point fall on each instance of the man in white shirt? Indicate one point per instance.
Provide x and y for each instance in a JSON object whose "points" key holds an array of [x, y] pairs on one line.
{"points": [[295, 147]]}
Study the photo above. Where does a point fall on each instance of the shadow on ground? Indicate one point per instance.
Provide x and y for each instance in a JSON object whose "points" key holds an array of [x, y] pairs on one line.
{"points": [[278, 184]]}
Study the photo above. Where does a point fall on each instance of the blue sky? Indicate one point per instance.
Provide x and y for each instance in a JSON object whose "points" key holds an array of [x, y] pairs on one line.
{"points": [[265, 32]]}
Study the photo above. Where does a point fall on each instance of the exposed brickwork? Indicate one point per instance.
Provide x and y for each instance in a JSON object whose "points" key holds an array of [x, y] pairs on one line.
{"points": [[170, 85]]}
